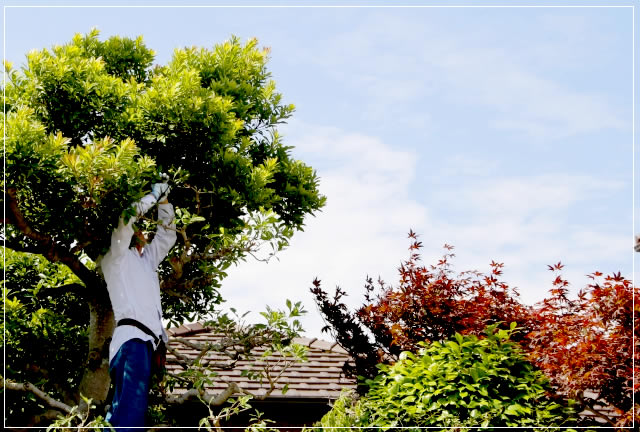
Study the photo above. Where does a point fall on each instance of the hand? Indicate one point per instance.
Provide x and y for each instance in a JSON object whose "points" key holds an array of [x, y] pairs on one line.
{"points": [[160, 191]]}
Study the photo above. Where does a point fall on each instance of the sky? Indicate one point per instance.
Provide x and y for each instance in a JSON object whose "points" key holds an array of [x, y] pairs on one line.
{"points": [[505, 132]]}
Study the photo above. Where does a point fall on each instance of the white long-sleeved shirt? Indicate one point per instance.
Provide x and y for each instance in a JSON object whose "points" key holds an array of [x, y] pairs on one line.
{"points": [[132, 279]]}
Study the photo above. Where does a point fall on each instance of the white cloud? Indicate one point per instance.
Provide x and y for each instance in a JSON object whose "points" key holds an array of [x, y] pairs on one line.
{"points": [[361, 230], [524, 196], [459, 165], [525, 101], [407, 76], [530, 222], [373, 202], [407, 61]]}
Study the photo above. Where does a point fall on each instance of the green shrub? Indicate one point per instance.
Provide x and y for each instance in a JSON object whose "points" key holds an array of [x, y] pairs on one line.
{"points": [[465, 381], [43, 334], [344, 413]]}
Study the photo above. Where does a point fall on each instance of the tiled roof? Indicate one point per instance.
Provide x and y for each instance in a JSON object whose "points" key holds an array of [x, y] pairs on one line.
{"points": [[320, 377]]}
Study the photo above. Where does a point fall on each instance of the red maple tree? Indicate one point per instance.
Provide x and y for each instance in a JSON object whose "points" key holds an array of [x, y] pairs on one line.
{"points": [[433, 302], [584, 345], [430, 303]]}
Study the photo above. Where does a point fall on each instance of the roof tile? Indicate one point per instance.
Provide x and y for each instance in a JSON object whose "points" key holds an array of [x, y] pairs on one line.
{"points": [[320, 377]]}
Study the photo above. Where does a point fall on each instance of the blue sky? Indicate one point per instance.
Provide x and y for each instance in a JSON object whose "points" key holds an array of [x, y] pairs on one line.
{"points": [[506, 132]]}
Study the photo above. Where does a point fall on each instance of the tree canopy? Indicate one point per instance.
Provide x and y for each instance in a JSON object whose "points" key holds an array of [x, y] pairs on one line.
{"points": [[90, 125]]}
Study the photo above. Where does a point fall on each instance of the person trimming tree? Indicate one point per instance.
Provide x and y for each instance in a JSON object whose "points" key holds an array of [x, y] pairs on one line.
{"points": [[134, 290]]}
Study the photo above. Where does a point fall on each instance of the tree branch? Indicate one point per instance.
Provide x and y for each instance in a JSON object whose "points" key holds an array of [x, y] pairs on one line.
{"points": [[215, 400], [48, 415], [173, 284], [588, 404], [186, 362], [220, 366], [178, 377], [600, 415], [220, 253], [274, 381], [46, 245], [189, 343], [182, 360], [28, 387]]}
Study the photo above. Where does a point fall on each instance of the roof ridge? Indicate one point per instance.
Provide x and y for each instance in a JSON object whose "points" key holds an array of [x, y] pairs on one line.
{"points": [[188, 329], [310, 342]]}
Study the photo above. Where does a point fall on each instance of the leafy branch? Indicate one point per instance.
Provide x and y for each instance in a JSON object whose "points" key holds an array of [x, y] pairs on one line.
{"points": [[29, 387], [46, 245], [237, 341]]}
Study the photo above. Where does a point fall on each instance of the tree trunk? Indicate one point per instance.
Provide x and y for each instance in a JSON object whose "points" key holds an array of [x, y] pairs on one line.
{"points": [[95, 380]]}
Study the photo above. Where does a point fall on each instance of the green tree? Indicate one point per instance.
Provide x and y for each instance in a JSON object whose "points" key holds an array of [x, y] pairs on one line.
{"points": [[46, 333], [89, 125], [465, 381]]}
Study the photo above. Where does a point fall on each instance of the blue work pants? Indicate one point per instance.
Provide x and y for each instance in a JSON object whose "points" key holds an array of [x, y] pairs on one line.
{"points": [[130, 370]]}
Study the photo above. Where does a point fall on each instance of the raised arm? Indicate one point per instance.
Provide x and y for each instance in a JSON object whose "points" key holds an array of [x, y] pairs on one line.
{"points": [[144, 205], [121, 236], [165, 236]]}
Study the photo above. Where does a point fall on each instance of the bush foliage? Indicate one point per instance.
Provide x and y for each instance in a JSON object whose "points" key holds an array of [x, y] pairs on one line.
{"points": [[465, 381], [584, 345]]}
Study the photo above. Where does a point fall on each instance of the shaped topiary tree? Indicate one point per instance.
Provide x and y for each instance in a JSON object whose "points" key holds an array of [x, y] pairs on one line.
{"points": [[89, 125]]}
